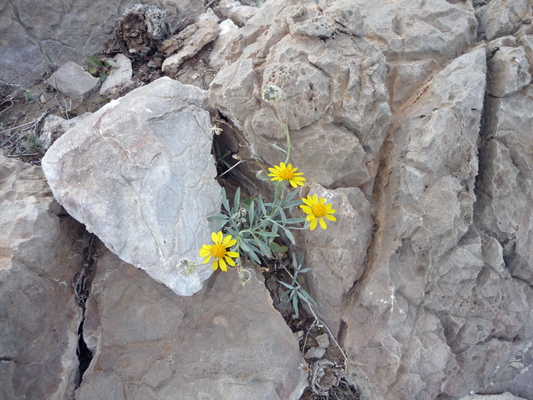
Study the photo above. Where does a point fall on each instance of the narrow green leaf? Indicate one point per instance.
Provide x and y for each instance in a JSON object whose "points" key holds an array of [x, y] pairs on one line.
{"points": [[290, 196], [112, 64], [225, 201], [295, 305], [278, 148], [284, 294], [289, 235], [253, 257], [309, 298], [247, 202], [264, 177], [286, 285], [95, 62], [293, 203], [267, 234], [218, 217], [102, 76], [251, 213], [303, 271], [275, 229], [283, 217], [50, 59], [237, 198], [264, 248], [295, 220], [261, 205]]}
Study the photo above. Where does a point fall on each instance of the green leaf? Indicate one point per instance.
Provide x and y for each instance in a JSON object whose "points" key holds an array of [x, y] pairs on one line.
{"points": [[92, 70], [284, 294], [293, 203], [265, 249], [275, 247], [264, 177], [95, 62], [289, 235], [283, 217], [225, 201], [251, 213], [218, 217], [303, 271], [284, 249], [247, 202], [278, 148], [28, 94], [295, 220], [253, 257], [102, 76], [286, 285], [237, 198], [111, 63], [295, 305], [267, 234], [275, 229], [290, 196], [310, 299], [49, 59], [261, 205]]}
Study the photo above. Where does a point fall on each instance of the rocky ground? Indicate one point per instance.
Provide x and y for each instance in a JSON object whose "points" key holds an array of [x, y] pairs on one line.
{"points": [[412, 118]]}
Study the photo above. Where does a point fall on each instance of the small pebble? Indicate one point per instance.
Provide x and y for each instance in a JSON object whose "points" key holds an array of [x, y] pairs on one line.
{"points": [[323, 340], [315, 352]]}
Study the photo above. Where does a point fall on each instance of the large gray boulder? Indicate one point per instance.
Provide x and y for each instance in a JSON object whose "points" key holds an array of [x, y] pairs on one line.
{"points": [[139, 174], [225, 342], [39, 318]]}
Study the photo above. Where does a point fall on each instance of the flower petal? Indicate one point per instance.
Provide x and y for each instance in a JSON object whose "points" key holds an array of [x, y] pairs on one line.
{"points": [[230, 261], [226, 240], [315, 199], [215, 264], [293, 184], [330, 211], [310, 217], [322, 200], [219, 237], [204, 252], [231, 243], [313, 224], [330, 217], [323, 224], [207, 259], [214, 237], [307, 200], [223, 266], [306, 209], [233, 254]]}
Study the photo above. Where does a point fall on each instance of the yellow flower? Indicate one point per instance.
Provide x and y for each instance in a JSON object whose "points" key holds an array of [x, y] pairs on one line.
{"points": [[286, 173], [219, 251], [317, 210]]}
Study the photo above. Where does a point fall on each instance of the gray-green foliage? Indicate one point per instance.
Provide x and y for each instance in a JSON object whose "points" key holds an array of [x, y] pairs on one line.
{"points": [[96, 67], [255, 224], [296, 291]]}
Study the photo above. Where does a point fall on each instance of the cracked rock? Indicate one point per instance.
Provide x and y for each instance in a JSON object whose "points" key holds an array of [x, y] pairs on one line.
{"points": [[73, 81]]}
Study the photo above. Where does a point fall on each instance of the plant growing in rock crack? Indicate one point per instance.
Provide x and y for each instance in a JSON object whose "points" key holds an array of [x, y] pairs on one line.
{"points": [[296, 291], [96, 67]]}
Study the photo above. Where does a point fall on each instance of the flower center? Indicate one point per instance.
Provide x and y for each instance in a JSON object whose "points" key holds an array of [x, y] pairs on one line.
{"points": [[286, 174], [319, 210], [218, 250]]}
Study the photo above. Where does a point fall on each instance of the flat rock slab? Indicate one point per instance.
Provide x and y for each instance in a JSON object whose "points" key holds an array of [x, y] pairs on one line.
{"points": [[139, 174], [73, 81], [225, 342]]}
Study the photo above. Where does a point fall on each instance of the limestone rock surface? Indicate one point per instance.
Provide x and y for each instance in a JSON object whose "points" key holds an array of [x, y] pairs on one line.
{"points": [[39, 317], [224, 342], [508, 71], [119, 76], [500, 18], [139, 174]]}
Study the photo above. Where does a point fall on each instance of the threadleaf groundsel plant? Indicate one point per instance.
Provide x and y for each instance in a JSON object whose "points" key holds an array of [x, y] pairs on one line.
{"points": [[249, 229]]}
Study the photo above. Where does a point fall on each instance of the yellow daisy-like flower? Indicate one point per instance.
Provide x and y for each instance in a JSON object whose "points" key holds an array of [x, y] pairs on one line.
{"points": [[317, 210], [219, 251], [282, 172]]}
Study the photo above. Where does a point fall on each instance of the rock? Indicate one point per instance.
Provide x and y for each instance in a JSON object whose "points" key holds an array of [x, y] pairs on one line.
{"points": [[418, 29], [499, 18], [526, 42], [118, 76], [55, 126], [337, 255], [315, 352], [39, 318], [505, 183], [508, 72], [142, 28], [503, 396], [334, 92], [73, 81], [494, 45], [139, 174], [189, 42], [224, 342], [32, 30], [235, 11], [227, 30], [323, 340], [417, 276]]}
